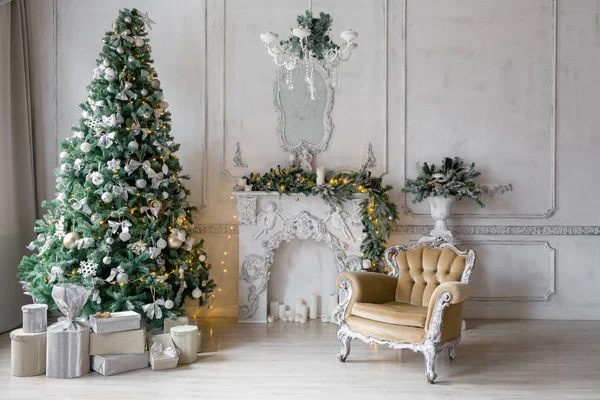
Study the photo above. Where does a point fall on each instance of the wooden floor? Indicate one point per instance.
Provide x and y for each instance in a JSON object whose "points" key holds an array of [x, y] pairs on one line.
{"points": [[496, 360]]}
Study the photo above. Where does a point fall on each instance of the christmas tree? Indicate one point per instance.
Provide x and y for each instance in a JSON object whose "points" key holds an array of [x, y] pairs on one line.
{"points": [[120, 223]]}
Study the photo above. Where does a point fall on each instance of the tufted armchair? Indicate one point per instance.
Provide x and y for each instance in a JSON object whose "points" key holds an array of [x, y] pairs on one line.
{"points": [[417, 306]]}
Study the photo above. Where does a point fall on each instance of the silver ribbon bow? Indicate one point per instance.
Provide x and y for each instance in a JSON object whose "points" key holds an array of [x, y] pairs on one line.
{"points": [[150, 172], [123, 190], [114, 226], [182, 287], [132, 165], [85, 243], [189, 242], [159, 353], [154, 252], [40, 238], [81, 205], [95, 105], [180, 233], [116, 38], [55, 273], [158, 113], [109, 122], [153, 310], [107, 140], [126, 94], [114, 272]]}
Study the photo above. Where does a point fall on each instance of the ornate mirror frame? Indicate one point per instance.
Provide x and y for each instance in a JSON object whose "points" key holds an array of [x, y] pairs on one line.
{"points": [[327, 121]]}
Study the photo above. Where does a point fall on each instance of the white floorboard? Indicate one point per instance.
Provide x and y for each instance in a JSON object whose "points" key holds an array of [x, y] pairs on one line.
{"points": [[496, 360]]}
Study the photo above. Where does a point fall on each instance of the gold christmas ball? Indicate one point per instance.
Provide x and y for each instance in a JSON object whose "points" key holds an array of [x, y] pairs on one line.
{"points": [[70, 240], [173, 242]]}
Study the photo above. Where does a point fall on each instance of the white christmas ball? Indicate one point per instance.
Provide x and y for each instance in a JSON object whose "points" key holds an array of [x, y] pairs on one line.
{"points": [[161, 243], [133, 145], [139, 42], [124, 236], [127, 20], [146, 115], [202, 257], [174, 242], [63, 154], [165, 195], [164, 105], [106, 62], [96, 217], [141, 183], [65, 168], [144, 92], [70, 240], [106, 197], [196, 293], [85, 147], [120, 50], [97, 178], [86, 114], [130, 59], [169, 304], [155, 83], [107, 260], [110, 240], [122, 277]]}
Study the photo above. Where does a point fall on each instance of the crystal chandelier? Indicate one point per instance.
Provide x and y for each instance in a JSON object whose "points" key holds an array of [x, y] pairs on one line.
{"points": [[310, 45]]}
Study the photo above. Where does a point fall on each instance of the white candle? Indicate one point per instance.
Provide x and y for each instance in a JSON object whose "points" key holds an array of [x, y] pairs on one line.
{"points": [[299, 303], [242, 182], [304, 311], [366, 264], [282, 313], [320, 175], [297, 318], [275, 310], [302, 320], [325, 319], [314, 304], [332, 302]]}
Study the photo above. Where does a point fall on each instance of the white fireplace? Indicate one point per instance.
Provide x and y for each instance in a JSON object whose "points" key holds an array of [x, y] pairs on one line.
{"points": [[267, 219]]}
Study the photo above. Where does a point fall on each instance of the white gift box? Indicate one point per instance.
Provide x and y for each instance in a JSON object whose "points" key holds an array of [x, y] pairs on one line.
{"points": [[163, 354], [35, 318], [113, 364], [27, 353], [185, 338], [117, 322], [170, 323], [125, 342]]}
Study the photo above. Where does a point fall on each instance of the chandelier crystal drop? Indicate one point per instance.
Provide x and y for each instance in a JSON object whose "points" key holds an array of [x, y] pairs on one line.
{"points": [[308, 46]]}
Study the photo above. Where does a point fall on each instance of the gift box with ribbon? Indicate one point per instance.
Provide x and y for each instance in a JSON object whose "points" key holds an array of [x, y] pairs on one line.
{"points": [[118, 363], [163, 354], [115, 322], [68, 340]]}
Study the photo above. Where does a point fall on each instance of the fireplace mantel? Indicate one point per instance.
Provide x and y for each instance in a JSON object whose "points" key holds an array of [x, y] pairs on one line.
{"points": [[266, 219]]}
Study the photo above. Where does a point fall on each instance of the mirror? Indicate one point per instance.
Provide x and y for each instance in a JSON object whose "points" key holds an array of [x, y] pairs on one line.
{"points": [[304, 123]]}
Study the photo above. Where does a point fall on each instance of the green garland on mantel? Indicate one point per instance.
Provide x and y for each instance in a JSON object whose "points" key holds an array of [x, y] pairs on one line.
{"points": [[378, 212]]}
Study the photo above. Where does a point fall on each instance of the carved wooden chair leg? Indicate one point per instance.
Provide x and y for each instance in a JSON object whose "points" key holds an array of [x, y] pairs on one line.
{"points": [[451, 352], [430, 352], [345, 341]]}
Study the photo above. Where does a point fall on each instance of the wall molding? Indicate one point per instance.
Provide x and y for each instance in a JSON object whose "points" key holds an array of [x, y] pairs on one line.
{"points": [[464, 230], [552, 208]]}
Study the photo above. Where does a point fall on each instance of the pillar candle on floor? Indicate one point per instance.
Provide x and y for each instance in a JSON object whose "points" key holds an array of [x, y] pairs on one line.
{"points": [[314, 304], [332, 302], [304, 311], [299, 303], [282, 308]]}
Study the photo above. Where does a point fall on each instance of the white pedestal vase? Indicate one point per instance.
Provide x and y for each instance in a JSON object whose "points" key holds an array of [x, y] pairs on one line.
{"points": [[441, 209]]}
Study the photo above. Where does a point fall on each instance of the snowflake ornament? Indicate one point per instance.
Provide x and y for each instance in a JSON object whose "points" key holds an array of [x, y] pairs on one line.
{"points": [[87, 268], [114, 165], [93, 123], [60, 228]]}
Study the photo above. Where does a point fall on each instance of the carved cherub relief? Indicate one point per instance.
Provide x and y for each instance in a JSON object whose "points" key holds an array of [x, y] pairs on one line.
{"points": [[338, 221], [267, 219]]}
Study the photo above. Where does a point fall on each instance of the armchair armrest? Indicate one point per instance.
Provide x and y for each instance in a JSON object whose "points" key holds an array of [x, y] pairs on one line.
{"points": [[444, 295], [366, 287]]}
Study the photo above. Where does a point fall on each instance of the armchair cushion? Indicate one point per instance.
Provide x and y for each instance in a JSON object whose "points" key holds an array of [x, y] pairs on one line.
{"points": [[383, 331], [369, 287], [392, 313]]}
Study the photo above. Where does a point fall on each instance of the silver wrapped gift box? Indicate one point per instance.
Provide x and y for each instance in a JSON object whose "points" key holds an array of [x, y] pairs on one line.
{"points": [[126, 342], [117, 322], [118, 363], [68, 340], [35, 318]]}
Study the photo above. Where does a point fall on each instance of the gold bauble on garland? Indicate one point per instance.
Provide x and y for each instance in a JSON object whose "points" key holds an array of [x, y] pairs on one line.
{"points": [[70, 240], [173, 242]]}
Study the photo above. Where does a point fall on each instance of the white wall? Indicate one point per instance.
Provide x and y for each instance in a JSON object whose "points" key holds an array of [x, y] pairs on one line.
{"points": [[509, 84]]}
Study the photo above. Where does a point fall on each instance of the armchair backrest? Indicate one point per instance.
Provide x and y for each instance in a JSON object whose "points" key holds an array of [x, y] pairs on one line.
{"points": [[421, 269]]}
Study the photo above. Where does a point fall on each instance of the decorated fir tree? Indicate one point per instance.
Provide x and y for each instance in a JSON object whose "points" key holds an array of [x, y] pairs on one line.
{"points": [[120, 223]]}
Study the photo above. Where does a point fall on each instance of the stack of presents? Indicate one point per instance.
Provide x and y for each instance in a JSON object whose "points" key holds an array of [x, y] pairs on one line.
{"points": [[108, 343]]}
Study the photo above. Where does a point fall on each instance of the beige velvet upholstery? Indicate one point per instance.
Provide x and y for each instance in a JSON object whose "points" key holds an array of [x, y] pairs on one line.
{"points": [[423, 269], [406, 311]]}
